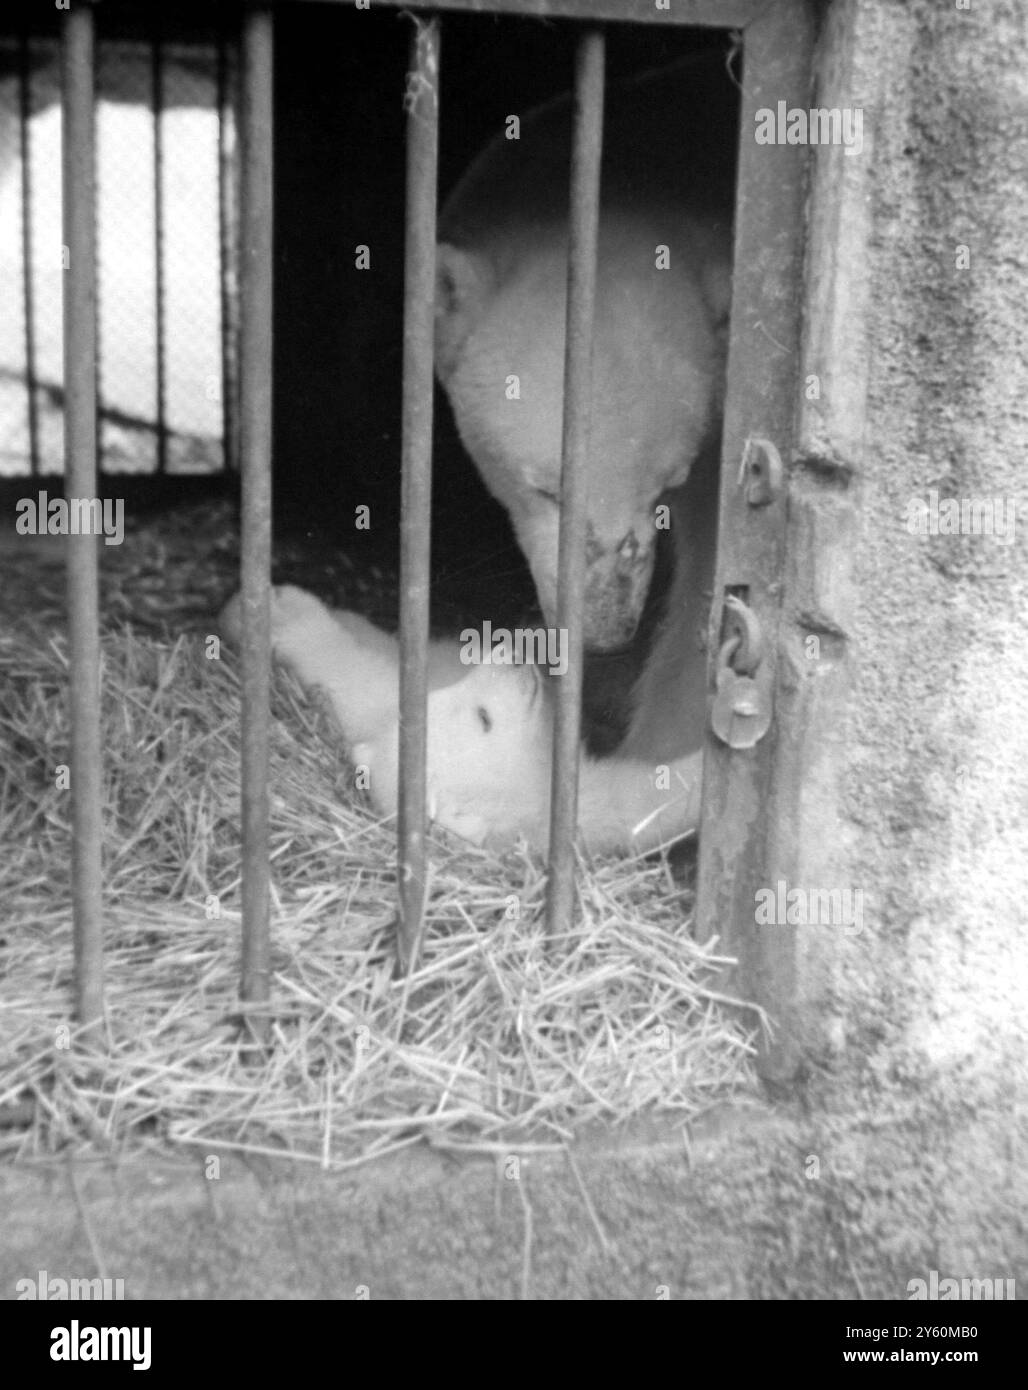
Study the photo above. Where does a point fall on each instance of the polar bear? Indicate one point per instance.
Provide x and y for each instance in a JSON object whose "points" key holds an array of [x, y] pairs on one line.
{"points": [[662, 300], [490, 732], [659, 344]]}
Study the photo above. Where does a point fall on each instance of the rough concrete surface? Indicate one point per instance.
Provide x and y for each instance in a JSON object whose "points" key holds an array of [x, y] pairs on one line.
{"points": [[763, 1203], [938, 778], [916, 792]]}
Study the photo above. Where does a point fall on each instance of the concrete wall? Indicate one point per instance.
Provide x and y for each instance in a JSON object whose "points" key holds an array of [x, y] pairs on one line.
{"points": [[934, 801], [916, 787]]}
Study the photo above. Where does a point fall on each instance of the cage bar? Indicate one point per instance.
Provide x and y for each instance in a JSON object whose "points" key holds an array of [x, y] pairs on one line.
{"points": [[255, 426], [28, 289], [422, 101], [157, 109], [586, 152], [747, 834], [79, 224]]}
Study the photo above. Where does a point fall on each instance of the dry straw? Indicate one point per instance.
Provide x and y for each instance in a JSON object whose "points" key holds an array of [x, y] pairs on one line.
{"points": [[497, 1040]]}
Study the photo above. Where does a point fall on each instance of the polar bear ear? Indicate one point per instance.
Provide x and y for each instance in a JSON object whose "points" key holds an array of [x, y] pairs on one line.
{"points": [[462, 281]]}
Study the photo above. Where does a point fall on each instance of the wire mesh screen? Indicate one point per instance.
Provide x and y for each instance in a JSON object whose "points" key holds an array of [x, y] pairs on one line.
{"points": [[166, 173]]}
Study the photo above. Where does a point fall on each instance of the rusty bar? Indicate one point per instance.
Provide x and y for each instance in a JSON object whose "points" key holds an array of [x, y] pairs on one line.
{"points": [[227, 253], [157, 107], [79, 218], [255, 425], [586, 152], [28, 289], [750, 796], [422, 101]]}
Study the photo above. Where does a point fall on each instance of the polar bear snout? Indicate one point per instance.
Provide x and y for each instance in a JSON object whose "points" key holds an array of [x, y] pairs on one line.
{"points": [[616, 585]]}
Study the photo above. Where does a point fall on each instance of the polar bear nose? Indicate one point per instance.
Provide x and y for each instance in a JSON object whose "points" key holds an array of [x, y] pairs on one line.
{"points": [[628, 549], [617, 582], [624, 552]]}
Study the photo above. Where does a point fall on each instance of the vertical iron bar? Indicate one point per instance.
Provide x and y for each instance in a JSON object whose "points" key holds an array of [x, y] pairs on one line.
{"points": [[257, 206], [227, 255], [586, 152], [415, 533], [79, 218], [751, 823], [28, 290], [157, 107]]}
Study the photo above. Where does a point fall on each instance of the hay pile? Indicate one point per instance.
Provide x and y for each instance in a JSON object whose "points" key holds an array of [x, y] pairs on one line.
{"points": [[496, 1039]]}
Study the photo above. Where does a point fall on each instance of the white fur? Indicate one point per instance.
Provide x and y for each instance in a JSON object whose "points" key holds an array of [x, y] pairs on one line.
{"points": [[490, 733], [659, 337]]}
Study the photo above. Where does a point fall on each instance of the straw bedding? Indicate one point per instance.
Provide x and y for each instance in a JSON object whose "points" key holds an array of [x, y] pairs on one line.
{"points": [[499, 1039]]}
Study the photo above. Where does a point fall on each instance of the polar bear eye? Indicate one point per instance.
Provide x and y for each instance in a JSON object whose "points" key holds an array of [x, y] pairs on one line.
{"points": [[545, 492], [483, 714]]}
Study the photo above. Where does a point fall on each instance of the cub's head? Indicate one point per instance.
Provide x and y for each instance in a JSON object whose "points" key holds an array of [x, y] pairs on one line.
{"points": [[488, 754], [500, 332]]}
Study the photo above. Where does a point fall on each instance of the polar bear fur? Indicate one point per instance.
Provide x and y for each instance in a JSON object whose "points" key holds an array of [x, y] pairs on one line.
{"points": [[659, 345], [490, 733], [662, 300]]}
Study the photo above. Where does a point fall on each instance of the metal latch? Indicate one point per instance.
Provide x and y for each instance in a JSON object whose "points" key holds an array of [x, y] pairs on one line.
{"points": [[741, 713]]}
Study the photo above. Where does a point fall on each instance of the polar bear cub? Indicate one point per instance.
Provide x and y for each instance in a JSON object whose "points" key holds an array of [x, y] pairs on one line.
{"points": [[490, 730]]}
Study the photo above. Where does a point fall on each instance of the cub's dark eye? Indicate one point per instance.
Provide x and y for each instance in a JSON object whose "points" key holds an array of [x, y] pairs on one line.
{"points": [[485, 717], [545, 492]]}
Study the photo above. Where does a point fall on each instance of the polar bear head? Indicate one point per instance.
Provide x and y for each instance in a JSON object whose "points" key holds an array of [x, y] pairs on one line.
{"points": [[657, 366]]}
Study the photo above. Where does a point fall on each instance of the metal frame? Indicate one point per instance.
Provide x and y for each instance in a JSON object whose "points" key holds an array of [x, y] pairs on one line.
{"points": [[583, 237], [79, 202], [736, 844], [740, 845], [709, 14], [257, 193], [422, 99]]}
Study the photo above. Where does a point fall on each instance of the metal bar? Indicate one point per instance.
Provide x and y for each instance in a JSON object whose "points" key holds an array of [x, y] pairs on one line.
{"points": [[227, 254], [745, 814], [716, 14], [255, 371], [28, 290], [586, 153], [79, 217], [416, 496], [157, 106]]}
